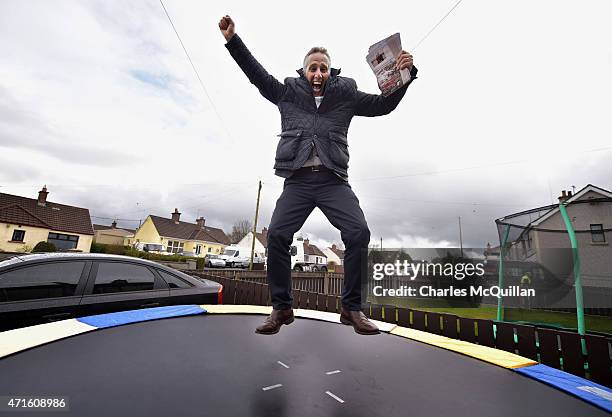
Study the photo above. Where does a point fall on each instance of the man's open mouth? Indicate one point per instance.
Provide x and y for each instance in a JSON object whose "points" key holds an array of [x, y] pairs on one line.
{"points": [[317, 85]]}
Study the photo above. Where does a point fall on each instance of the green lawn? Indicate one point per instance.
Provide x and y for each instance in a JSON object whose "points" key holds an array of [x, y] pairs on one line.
{"points": [[552, 318]]}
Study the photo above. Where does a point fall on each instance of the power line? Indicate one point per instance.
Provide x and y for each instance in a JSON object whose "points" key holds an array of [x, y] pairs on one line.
{"points": [[436, 25], [195, 70], [467, 203], [460, 169], [203, 200], [441, 171], [114, 184], [216, 196], [272, 183], [113, 218]]}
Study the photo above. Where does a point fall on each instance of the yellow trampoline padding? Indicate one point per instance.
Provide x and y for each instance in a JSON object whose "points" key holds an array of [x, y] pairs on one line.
{"points": [[16, 340], [383, 326], [298, 312], [335, 318], [317, 315], [236, 309], [484, 353], [252, 309]]}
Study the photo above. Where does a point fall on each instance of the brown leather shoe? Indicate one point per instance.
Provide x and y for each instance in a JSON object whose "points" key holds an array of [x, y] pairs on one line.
{"points": [[274, 321], [359, 321]]}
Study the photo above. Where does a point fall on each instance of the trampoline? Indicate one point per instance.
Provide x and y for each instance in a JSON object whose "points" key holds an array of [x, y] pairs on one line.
{"points": [[207, 361]]}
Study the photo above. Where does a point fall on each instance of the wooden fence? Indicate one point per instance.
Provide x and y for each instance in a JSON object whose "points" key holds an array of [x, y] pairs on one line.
{"points": [[555, 348], [318, 282]]}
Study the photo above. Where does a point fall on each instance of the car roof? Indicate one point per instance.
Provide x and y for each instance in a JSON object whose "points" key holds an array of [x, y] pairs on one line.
{"points": [[41, 257], [17, 259]]}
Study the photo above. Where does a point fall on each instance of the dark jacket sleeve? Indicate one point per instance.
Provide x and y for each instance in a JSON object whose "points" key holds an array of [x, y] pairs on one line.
{"points": [[268, 86], [378, 105]]}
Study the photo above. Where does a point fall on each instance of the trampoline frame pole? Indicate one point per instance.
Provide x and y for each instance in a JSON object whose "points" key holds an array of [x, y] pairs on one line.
{"points": [[577, 276], [500, 280]]}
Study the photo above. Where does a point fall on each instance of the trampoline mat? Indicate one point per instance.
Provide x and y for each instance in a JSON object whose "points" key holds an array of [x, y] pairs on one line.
{"points": [[215, 365]]}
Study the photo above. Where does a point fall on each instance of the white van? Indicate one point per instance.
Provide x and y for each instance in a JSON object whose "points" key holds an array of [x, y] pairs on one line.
{"points": [[239, 257]]}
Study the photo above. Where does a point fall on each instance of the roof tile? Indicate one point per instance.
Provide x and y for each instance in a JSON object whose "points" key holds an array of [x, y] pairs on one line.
{"points": [[15, 209], [188, 231]]}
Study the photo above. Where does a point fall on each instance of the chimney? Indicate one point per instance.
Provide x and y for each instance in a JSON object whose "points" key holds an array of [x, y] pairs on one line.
{"points": [[264, 232], [42, 196], [563, 196], [306, 242], [176, 216], [569, 193], [200, 222], [114, 224], [333, 247]]}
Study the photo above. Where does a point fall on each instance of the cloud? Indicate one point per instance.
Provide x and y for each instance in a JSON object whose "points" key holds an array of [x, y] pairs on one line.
{"points": [[21, 127], [98, 100]]}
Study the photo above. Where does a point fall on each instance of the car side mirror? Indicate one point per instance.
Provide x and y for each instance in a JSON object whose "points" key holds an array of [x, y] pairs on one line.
{"points": [[145, 249]]}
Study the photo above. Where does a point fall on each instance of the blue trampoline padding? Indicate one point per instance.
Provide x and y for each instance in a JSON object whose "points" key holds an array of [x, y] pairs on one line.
{"points": [[134, 316], [587, 390]]}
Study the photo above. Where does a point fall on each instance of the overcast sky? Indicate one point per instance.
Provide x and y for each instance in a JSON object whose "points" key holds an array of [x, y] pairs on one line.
{"points": [[99, 102]]}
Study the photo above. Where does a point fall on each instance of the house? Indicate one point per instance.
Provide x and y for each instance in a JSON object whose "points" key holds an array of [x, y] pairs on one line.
{"points": [[336, 256], [178, 236], [541, 236], [261, 241], [491, 252], [26, 221], [112, 235], [313, 255]]}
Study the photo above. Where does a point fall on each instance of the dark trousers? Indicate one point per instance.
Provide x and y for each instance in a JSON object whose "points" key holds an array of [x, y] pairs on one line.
{"points": [[302, 192]]}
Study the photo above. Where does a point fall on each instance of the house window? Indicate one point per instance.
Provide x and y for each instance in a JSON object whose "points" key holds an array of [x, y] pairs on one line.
{"points": [[529, 240], [63, 242], [597, 233], [210, 250], [18, 235], [174, 246], [198, 249]]}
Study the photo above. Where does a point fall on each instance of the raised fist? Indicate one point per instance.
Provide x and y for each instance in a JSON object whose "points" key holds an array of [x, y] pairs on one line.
{"points": [[226, 25]]}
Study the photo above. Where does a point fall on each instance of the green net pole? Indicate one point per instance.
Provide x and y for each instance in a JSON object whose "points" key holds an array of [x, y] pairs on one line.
{"points": [[500, 281], [577, 278]]}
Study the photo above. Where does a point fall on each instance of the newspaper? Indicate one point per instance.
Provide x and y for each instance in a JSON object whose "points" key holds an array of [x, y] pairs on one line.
{"points": [[382, 57]]}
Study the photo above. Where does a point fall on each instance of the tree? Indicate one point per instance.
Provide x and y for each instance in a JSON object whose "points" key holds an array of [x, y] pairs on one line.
{"points": [[239, 230], [44, 247]]}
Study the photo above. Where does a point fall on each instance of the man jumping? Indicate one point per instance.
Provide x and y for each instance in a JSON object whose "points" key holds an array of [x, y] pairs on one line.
{"points": [[312, 155]]}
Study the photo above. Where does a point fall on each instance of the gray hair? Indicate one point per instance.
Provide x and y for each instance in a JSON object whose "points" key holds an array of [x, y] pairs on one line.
{"points": [[314, 50]]}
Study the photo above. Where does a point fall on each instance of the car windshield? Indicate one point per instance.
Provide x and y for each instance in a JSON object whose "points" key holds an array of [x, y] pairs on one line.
{"points": [[229, 252]]}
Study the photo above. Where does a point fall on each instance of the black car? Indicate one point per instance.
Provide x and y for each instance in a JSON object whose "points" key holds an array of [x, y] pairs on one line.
{"points": [[40, 288]]}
